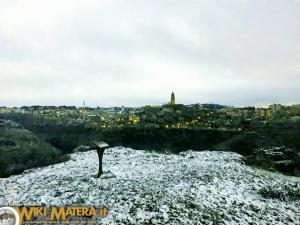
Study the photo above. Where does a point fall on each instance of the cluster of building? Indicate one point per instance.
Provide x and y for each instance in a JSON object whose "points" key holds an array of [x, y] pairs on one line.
{"points": [[171, 115]]}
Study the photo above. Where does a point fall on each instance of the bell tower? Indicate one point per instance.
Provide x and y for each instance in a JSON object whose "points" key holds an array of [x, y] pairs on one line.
{"points": [[172, 102]]}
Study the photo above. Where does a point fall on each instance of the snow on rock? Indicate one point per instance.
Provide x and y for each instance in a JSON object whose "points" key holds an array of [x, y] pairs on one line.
{"points": [[151, 188]]}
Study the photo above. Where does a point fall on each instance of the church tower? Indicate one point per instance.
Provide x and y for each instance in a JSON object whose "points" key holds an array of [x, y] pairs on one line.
{"points": [[172, 102]]}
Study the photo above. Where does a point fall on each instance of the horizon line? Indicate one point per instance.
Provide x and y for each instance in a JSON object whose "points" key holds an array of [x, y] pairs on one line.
{"points": [[154, 105]]}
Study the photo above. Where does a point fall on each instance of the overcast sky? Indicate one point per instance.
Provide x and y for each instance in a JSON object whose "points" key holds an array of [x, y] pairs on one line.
{"points": [[136, 52]]}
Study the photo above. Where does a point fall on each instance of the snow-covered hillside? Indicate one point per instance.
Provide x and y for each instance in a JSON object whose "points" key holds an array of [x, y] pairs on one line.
{"points": [[151, 188]]}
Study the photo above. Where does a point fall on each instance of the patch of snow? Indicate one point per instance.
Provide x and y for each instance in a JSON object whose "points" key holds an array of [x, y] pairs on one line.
{"points": [[151, 188]]}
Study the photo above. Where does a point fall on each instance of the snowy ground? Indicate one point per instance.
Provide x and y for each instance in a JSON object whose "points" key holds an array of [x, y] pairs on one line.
{"points": [[151, 188]]}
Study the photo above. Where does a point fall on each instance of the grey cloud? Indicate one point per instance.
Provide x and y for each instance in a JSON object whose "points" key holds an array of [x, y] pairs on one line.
{"points": [[135, 52]]}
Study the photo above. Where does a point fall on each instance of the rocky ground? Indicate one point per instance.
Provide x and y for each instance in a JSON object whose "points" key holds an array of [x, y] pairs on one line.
{"points": [[283, 159], [20, 149], [150, 188]]}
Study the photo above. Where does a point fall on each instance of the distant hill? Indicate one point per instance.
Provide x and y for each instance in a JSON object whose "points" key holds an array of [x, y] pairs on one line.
{"points": [[20, 149]]}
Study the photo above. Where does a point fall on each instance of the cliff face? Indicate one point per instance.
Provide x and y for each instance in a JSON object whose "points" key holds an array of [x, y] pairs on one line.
{"points": [[275, 146], [20, 149], [66, 137]]}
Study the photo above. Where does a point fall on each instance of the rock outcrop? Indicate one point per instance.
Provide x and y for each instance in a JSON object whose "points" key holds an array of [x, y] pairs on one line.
{"points": [[281, 159], [20, 149]]}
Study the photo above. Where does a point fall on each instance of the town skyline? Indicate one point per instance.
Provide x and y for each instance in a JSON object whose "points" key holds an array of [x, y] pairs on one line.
{"points": [[171, 101]]}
